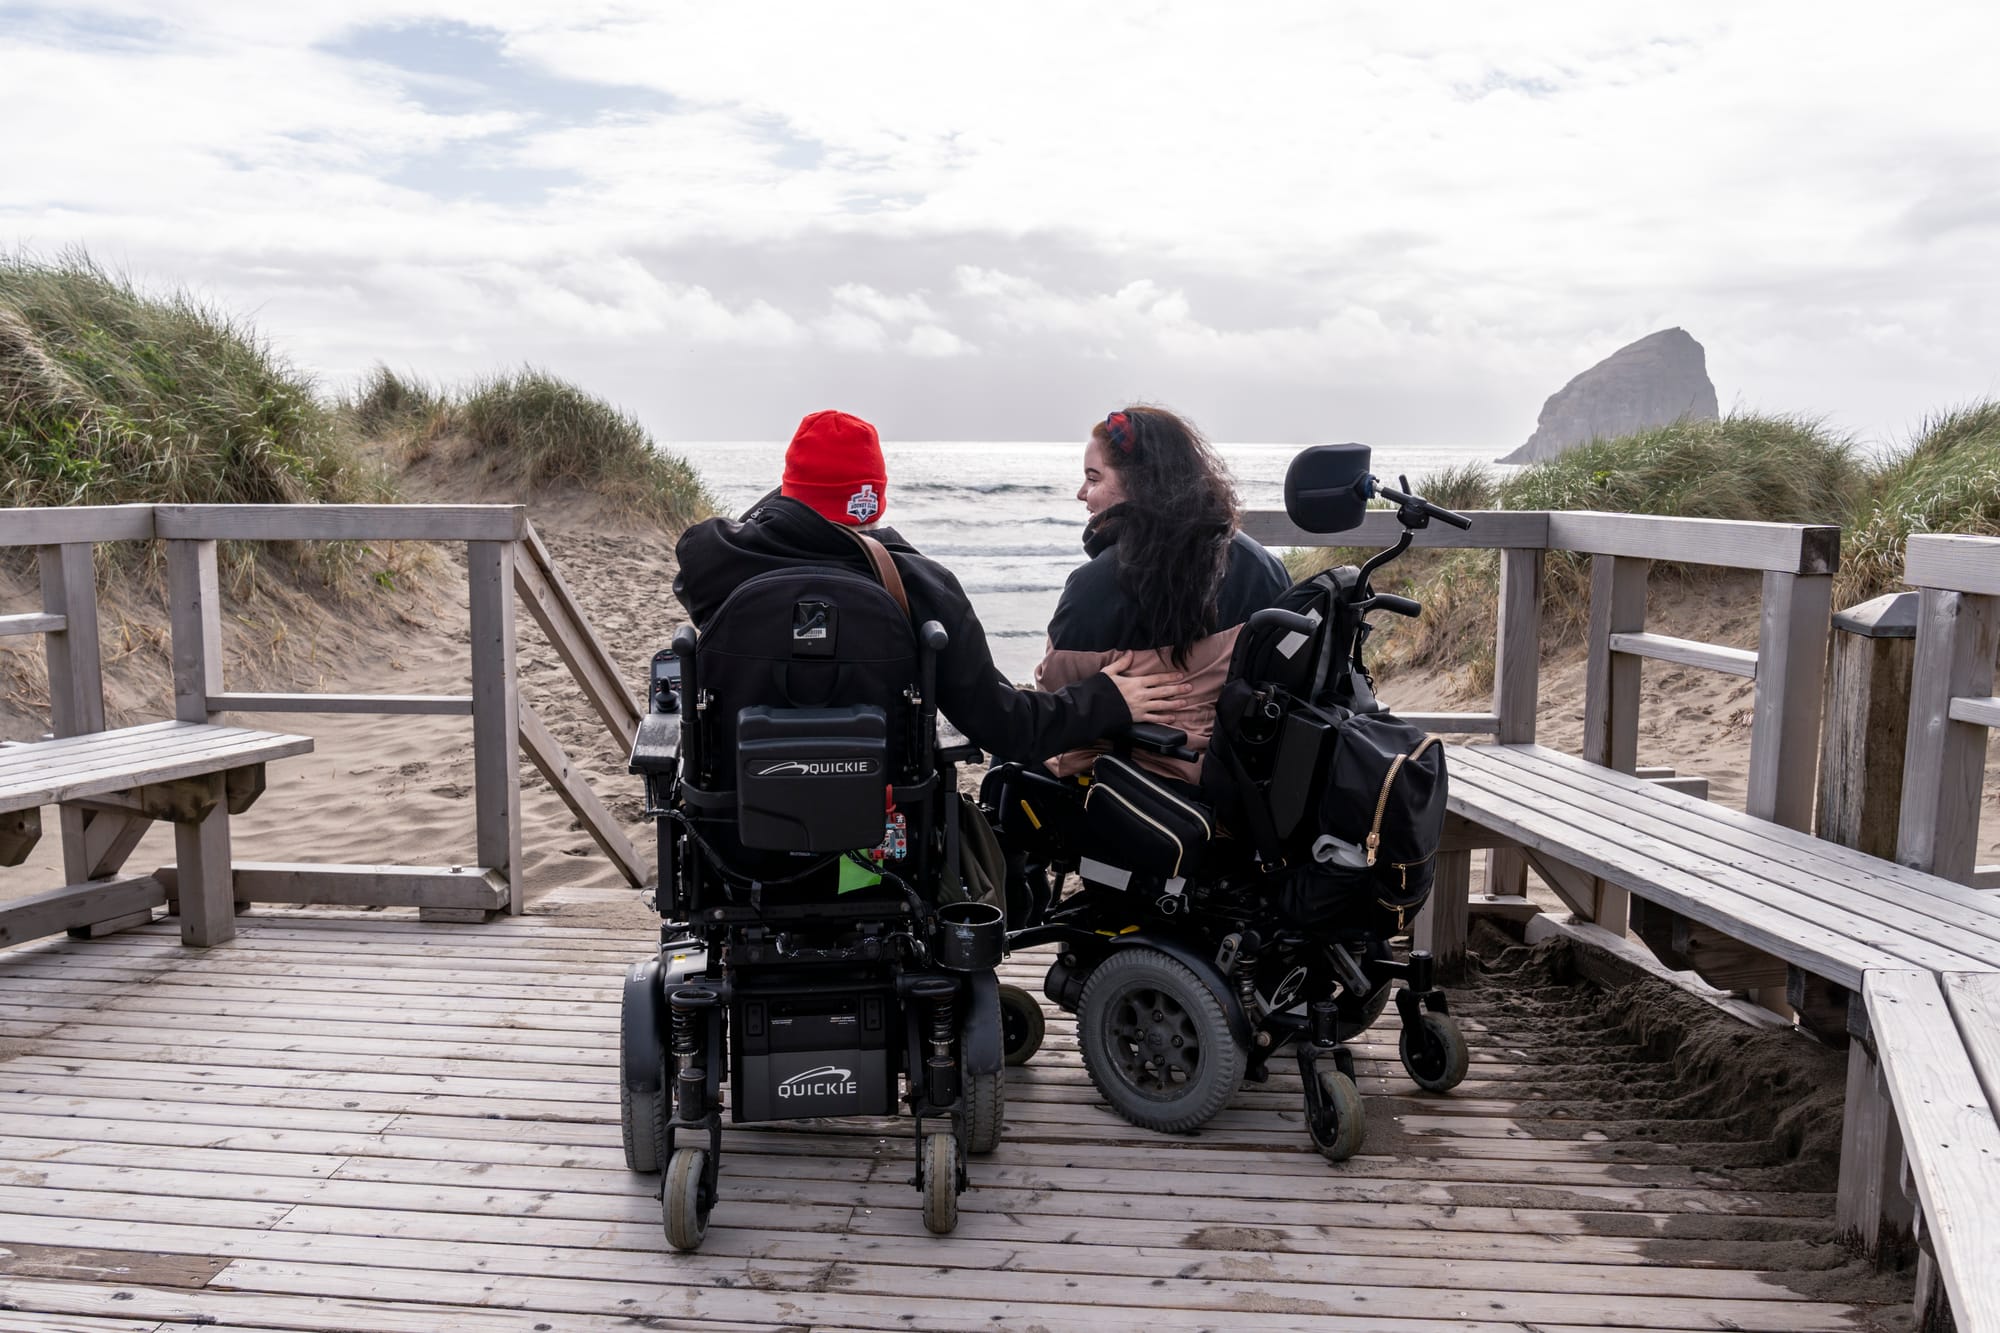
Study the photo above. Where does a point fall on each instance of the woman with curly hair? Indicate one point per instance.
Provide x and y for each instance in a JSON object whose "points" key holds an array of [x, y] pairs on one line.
{"points": [[1170, 577]]}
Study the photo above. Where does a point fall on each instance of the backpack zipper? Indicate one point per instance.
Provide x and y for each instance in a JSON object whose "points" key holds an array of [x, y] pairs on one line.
{"points": [[1165, 832], [1139, 775], [1382, 801]]}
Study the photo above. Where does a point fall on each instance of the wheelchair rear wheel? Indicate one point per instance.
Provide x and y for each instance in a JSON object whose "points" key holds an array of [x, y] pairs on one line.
{"points": [[1156, 1041], [640, 1114], [1022, 1024], [985, 1110]]}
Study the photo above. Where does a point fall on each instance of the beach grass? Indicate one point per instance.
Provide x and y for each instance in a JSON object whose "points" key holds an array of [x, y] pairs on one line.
{"points": [[113, 395], [538, 431]]}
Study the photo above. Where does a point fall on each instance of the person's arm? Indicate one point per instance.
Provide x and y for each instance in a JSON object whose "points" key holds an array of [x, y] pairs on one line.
{"points": [[1022, 725]]}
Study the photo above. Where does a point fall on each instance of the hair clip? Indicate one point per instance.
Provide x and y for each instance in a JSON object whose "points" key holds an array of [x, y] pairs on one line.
{"points": [[1122, 431]]}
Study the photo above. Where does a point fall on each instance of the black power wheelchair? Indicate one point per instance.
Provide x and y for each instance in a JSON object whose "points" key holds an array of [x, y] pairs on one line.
{"points": [[815, 956], [1216, 924]]}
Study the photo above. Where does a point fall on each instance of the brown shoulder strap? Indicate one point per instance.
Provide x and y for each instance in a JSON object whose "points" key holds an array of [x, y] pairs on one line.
{"points": [[885, 566]]}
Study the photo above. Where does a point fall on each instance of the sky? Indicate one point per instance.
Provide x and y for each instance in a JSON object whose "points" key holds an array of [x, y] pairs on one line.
{"points": [[1405, 223]]}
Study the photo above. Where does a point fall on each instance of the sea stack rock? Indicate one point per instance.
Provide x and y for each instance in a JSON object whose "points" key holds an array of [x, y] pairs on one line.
{"points": [[1660, 379]]}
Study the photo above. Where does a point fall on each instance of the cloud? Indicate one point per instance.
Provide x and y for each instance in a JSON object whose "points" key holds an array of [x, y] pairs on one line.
{"points": [[1405, 222]]}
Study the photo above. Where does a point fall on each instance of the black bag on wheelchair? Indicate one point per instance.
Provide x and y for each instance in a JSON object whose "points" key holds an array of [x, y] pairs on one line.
{"points": [[1372, 846]]}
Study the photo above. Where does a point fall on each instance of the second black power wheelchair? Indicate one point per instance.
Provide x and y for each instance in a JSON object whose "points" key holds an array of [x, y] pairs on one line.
{"points": [[1214, 925], [816, 957]]}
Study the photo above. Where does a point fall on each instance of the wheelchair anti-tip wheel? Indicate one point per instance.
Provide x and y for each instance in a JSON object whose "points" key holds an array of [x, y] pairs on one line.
{"points": [[985, 1110], [682, 1203], [640, 1114], [1434, 1052], [1156, 1041], [1022, 1025], [1343, 1122], [938, 1169]]}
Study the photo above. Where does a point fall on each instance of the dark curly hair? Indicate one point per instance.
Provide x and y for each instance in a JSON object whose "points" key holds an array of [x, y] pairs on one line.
{"points": [[1174, 527]]}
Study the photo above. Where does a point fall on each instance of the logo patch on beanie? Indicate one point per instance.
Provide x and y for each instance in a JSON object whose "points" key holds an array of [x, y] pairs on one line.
{"points": [[864, 504]]}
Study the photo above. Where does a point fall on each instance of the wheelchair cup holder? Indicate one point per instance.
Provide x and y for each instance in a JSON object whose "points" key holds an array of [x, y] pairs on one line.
{"points": [[970, 936]]}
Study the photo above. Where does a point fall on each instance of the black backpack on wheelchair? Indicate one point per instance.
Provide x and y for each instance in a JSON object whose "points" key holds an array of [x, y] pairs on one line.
{"points": [[815, 959], [1216, 924]]}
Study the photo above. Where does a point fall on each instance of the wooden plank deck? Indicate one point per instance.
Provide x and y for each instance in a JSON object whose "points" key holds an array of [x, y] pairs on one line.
{"points": [[357, 1123]]}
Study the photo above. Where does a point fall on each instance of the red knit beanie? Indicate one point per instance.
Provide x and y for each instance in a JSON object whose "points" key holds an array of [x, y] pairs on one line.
{"points": [[835, 465]]}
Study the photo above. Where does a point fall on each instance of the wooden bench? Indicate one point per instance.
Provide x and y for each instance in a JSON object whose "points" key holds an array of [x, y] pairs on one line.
{"points": [[115, 783], [1938, 1041]]}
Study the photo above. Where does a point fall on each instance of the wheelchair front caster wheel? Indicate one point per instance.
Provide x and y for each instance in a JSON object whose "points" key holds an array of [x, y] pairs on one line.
{"points": [[1434, 1052], [682, 1202], [1343, 1122], [1022, 1025], [985, 1111], [938, 1167]]}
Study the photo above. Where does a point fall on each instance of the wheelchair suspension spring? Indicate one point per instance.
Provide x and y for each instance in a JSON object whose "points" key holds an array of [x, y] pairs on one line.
{"points": [[1246, 976], [684, 1038], [944, 1023]]}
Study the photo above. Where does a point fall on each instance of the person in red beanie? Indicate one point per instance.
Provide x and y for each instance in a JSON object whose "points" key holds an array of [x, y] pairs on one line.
{"points": [[834, 478]]}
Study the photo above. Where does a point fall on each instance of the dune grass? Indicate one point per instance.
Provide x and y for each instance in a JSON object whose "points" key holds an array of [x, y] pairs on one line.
{"points": [[113, 395], [538, 431], [1747, 466]]}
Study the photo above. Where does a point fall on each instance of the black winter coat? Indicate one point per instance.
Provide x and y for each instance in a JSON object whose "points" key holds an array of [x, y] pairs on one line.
{"points": [[779, 532]]}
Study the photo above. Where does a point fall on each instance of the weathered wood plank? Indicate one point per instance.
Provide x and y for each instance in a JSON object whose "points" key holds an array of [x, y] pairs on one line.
{"points": [[342, 522], [206, 906], [32, 622], [1769, 849], [76, 683], [496, 707], [441, 705], [106, 772], [1687, 652], [1784, 725], [1454, 724], [549, 600], [1863, 740], [304, 883], [1517, 661], [1944, 764], [1950, 1133], [47, 525], [1974, 998], [1982, 712], [1780, 547], [1953, 563], [58, 910], [1491, 529], [602, 826]]}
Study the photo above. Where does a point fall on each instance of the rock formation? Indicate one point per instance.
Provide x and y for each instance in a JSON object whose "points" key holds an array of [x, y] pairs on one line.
{"points": [[1659, 379]]}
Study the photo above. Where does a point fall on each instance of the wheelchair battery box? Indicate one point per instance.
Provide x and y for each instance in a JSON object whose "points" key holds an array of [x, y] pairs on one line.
{"points": [[798, 1056], [811, 779]]}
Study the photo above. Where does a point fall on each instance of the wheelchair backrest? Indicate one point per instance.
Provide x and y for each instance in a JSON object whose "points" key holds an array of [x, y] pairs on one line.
{"points": [[805, 710]]}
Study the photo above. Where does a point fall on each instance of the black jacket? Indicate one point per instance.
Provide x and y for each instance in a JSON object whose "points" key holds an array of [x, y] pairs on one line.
{"points": [[778, 532], [1096, 614]]}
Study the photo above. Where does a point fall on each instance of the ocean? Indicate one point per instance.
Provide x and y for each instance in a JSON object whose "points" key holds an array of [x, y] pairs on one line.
{"points": [[1004, 515]]}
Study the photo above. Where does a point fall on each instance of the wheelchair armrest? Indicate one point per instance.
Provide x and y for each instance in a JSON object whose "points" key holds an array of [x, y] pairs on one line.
{"points": [[953, 745], [1170, 742], [656, 749]]}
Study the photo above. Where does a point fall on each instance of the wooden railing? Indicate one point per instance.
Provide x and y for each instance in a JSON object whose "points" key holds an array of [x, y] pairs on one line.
{"points": [[1797, 562], [505, 558], [1952, 705]]}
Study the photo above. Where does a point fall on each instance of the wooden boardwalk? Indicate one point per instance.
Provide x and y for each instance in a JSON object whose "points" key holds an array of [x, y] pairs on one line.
{"points": [[357, 1123]]}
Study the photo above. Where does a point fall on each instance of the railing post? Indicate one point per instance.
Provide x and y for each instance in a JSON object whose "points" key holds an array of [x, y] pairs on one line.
{"points": [[496, 758], [194, 602], [1791, 672], [1611, 680], [1944, 763], [1867, 724], [204, 879], [1517, 664], [76, 680], [1611, 694]]}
